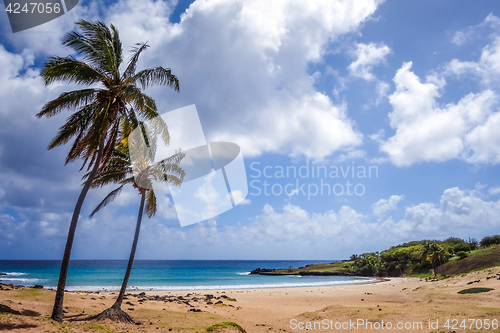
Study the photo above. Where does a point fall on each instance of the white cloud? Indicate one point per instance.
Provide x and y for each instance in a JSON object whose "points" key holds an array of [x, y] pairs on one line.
{"points": [[368, 56], [277, 233], [238, 197], [244, 64], [487, 68], [460, 212], [494, 190], [463, 36], [384, 205], [427, 131]]}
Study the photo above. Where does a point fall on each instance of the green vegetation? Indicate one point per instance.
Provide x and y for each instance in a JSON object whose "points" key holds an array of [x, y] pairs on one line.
{"points": [[97, 328], [430, 257], [490, 240], [475, 290], [476, 260], [422, 259], [224, 325]]}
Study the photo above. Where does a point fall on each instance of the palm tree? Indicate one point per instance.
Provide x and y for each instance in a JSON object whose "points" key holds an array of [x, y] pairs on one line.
{"points": [[110, 97], [140, 171], [436, 255]]}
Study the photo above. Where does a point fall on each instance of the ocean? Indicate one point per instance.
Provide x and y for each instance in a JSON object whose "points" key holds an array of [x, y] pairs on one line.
{"points": [[164, 275]]}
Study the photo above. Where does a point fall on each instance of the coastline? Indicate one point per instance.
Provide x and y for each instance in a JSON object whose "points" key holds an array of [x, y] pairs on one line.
{"points": [[269, 310]]}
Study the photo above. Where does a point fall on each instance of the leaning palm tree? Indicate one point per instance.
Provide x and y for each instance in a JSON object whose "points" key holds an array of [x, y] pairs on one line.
{"points": [[110, 97], [140, 171]]}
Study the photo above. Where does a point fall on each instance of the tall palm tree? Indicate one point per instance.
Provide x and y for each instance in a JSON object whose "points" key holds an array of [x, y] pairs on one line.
{"points": [[436, 255], [140, 171], [99, 109]]}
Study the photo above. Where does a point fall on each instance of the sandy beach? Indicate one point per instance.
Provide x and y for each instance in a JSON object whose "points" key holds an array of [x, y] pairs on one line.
{"points": [[399, 304]]}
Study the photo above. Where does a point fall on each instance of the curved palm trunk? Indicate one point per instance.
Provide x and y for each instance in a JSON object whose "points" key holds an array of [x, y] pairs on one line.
{"points": [[119, 300], [57, 311]]}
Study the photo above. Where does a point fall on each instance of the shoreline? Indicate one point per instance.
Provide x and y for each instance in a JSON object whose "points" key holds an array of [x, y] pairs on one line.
{"points": [[196, 289]]}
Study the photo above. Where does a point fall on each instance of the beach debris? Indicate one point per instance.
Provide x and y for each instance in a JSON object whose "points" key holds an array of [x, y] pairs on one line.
{"points": [[471, 282], [195, 310]]}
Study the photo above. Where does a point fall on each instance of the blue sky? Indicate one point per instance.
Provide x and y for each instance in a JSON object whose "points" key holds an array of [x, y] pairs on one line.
{"points": [[407, 88]]}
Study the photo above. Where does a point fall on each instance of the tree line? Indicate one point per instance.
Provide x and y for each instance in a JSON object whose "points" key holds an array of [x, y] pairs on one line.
{"points": [[417, 256]]}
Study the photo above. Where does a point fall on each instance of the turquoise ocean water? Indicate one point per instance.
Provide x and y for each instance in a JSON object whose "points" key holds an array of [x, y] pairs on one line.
{"points": [[107, 275]]}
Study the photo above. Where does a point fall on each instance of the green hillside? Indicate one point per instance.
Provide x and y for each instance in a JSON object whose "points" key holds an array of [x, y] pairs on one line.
{"points": [[479, 259], [417, 258]]}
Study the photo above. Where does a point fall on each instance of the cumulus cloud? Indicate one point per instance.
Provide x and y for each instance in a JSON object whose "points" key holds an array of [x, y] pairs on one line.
{"points": [[289, 231], [494, 190], [427, 131], [460, 211], [384, 205], [368, 56], [487, 68], [244, 64]]}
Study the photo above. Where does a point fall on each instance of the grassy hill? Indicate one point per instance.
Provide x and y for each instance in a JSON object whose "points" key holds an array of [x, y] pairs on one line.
{"points": [[479, 259]]}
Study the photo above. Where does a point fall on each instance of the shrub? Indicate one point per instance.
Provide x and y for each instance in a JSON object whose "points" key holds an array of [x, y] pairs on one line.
{"points": [[461, 247], [475, 290], [462, 254], [224, 325]]}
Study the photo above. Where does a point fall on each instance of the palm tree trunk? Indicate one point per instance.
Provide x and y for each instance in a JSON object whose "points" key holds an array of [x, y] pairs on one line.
{"points": [[119, 300], [57, 311]]}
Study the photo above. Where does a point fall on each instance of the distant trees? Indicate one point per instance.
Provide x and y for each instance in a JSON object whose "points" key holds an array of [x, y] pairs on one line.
{"points": [[417, 256], [473, 243], [490, 240]]}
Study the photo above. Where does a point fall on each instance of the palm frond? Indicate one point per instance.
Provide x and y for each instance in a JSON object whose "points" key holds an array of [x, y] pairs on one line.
{"points": [[96, 44], [68, 100], [69, 70], [117, 47], [109, 198], [132, 64], [151, 206], [156, 76], [144, 105], [77, 124]]}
